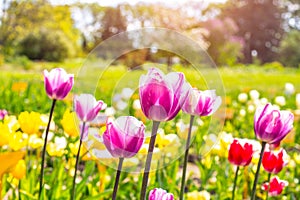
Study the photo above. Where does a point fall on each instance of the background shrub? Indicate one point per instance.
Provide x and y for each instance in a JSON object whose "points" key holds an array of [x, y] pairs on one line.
{"points": [[50, 45]]}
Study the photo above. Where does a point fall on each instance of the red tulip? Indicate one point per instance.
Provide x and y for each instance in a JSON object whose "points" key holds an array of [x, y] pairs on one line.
{"points": [[273, 161], [240, 152], [275, 187]]}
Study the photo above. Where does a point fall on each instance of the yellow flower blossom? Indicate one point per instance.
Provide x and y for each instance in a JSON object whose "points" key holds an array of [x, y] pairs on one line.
{"points": [[74, 148], [4, 134], [195, 195], [8, 161], [222, 145], [19, 86], [12, 122], [70, 123], [19, 171], [35, 142], [54, 149], [30, 122], [17, 141]]}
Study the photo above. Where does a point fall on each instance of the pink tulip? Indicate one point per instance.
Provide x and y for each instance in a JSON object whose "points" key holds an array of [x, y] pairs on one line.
{"points": [[124, 137], [87, 107], [201, 103], [3, 113], [272, 125], [161, 96], [58, 83], [275, 187], [160, 194]]}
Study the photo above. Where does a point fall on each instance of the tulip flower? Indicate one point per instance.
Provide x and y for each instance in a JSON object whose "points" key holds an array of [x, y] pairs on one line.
{"points": [[201, 103], [160, 194], [270, 126], [30, 122], [161, 97], [240, 154], [57, 85], [197, 103], [86, 108], [274, 161], [275, 186], [123, 138], [3, 113]]}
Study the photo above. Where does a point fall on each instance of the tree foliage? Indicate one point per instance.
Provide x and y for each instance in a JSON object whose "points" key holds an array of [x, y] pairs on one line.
{"points": [[260, 26], [289, 49], [25, 19]]}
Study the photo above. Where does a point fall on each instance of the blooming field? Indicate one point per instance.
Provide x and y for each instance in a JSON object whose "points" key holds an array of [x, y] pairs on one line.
{"points": [[210, 174]]}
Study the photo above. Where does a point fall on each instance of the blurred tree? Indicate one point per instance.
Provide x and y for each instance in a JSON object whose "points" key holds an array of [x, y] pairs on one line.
{"points": [[113, 22], [30, 17], [224, 48], [88, 17], [260, 26], [289, 49]]}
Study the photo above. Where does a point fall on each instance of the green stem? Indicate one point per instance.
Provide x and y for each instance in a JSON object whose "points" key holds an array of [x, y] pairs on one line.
{"points": [[148, 159], [117, 178], [19, 188], [263, 145], [269, 177], [187, 147], [44, 148], [77, 161], [235, 180]]}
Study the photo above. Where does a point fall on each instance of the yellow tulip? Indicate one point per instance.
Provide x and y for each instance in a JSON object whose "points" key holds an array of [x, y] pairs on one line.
{"points": [[30, 122], [19, 171], [74, 148], [16, 141], [70, 123], [54, 150], [35, 142], [8, 161], [195, 195], [12, 122], [4, 134]]}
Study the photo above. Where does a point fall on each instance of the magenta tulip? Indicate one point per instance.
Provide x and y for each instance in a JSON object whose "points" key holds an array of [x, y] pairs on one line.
{"points": [[161, 95], [3, 113], [160, 194], [124, 137], [272, 125], [86, 107], [201, 103], [58, 83]]}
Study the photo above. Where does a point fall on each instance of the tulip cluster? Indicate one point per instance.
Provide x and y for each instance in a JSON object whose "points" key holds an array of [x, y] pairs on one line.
{"points": [[270, 126], [162, 97]]}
